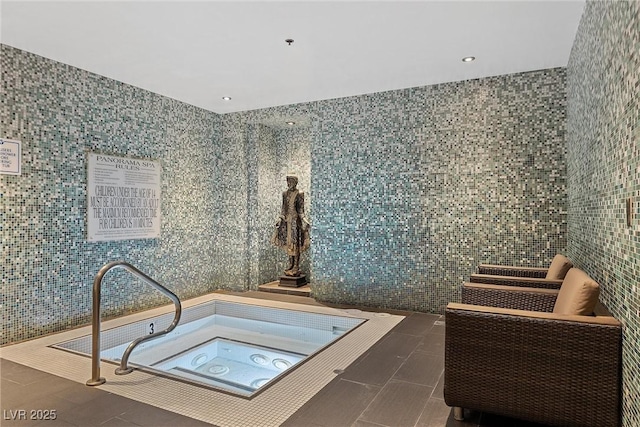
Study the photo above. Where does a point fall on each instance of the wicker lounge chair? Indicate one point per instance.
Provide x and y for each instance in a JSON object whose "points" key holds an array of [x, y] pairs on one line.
{"points": [[520, 352], [533, 277]]}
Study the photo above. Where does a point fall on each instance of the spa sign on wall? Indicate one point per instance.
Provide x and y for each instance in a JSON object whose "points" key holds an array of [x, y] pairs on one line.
{"points": [[10, 157], [123, 198]]}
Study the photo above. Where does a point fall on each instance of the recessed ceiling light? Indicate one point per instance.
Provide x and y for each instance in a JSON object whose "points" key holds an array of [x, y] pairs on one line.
{"points": [[226, 98], [291, 123], [468, 59]]}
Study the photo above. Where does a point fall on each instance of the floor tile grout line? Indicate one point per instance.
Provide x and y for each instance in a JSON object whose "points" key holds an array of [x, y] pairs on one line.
{"points": [[393, 375], [440, 378], [385, 384]]}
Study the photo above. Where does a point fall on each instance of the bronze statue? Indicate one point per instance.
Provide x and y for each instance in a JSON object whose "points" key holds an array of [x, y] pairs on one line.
{"points": [[292, 228]]}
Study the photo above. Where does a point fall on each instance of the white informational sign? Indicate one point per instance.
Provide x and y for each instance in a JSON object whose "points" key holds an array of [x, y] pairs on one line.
{"points": [[10, 157], [123, 198]]}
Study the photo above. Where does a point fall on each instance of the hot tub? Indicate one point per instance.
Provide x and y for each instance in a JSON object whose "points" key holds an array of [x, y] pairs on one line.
{"points": [[234, 347]]}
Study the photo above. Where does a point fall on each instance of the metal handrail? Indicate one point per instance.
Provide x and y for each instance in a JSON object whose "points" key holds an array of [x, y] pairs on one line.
{"points": [[95, 322]]}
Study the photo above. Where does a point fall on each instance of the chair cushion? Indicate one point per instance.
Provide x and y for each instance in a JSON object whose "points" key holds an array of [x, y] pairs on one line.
{"points": [[578, 294], [559, 267]]}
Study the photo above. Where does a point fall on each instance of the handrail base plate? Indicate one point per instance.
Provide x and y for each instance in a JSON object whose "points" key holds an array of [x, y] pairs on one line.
{"points": [[120, 371], [99, 381]]}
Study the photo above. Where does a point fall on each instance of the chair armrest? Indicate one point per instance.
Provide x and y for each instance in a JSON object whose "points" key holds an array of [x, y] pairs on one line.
{"points": [[511, 270], [530, 282], [603, 320], [513, 297], [542, 367]]}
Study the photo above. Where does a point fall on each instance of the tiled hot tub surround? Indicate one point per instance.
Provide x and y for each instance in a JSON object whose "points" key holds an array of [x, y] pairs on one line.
{"points": [[268, 408]]}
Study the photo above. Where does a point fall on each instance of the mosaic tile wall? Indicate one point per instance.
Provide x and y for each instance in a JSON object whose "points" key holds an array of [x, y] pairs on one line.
{"points": [[407, 190], [60, 113], [412, 189], [603, 164]]}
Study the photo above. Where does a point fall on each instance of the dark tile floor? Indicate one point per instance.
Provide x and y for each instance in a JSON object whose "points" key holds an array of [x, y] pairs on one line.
{"points": [[397, 383]]}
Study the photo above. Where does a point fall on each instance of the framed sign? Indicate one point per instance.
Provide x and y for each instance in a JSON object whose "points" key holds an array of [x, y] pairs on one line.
{"points": [[10, 157], [123, 198]]}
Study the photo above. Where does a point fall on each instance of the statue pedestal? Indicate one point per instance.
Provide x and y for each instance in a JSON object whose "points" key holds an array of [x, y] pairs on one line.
{"points": [[293, 281]]}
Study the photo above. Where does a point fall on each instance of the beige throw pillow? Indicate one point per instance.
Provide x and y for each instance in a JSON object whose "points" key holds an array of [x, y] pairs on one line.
{"points": [[578, 294], [559, 267]]}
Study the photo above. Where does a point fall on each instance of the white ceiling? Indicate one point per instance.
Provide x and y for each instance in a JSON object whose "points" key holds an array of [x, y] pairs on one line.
{"points": [[200, 51]]}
